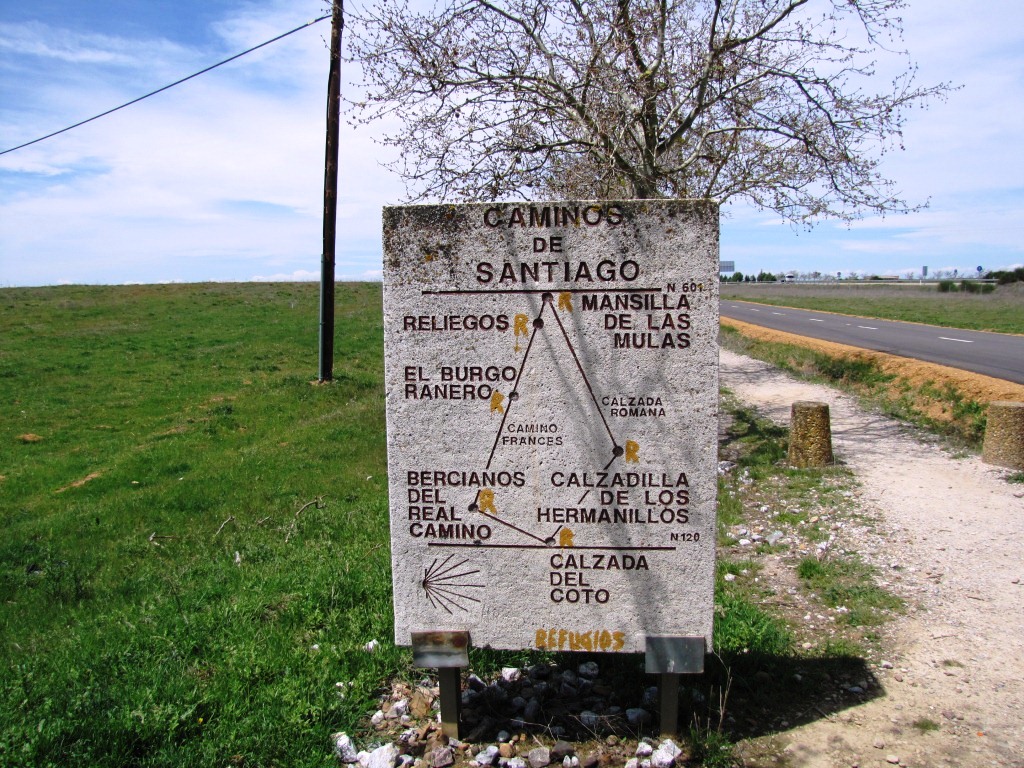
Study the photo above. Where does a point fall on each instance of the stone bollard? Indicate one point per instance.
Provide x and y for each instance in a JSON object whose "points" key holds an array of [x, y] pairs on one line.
{"points": [[810, 435], [1004, 435]]}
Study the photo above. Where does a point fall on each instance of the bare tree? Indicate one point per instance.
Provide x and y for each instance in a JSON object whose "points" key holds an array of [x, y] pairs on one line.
{"points": [[754, 99]]}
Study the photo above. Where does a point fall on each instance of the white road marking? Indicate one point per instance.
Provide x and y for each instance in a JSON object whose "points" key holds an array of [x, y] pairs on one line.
{"points": [[779, 313], [754, 310], [816, 320], [962, 341], [867, 327]]}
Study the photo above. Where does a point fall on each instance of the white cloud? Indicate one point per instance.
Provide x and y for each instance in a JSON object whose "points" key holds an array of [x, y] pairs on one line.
{"points": [[36, 39], [222, 178], [206, 181]]}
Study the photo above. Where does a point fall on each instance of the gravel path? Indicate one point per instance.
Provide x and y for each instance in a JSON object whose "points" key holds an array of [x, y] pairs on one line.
{"points": [[955, 530]]}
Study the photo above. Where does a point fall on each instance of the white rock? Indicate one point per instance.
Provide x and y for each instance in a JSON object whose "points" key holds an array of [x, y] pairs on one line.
{"points": [[539, 757], [399, 708], [487, 756], [632, 763], [371, 646], [665, 755], [511, 674], [344, 749], [730, 577], [643, 749], [378, 717], [383, 757]]}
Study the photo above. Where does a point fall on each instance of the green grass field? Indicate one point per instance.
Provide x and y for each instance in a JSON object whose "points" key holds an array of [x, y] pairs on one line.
{"points": [[1002, 310], [168, 410]]}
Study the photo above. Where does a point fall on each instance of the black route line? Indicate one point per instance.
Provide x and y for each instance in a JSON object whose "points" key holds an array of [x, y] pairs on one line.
{"points": [[551, 547], [586, 381], [513, 527], [431, 576], [515, 388], [540, 290], [617, 451]]}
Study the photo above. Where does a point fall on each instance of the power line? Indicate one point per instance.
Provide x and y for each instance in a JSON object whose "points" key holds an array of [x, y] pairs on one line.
{"points": [[166, 87]]}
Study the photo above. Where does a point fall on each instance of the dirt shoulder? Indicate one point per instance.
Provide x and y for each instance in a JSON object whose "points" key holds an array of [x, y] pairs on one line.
{"points": [[952, 529]]}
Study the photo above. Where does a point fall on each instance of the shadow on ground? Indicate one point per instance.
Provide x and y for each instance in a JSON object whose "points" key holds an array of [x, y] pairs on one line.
{"points": [[768, 694], [747, 695]]}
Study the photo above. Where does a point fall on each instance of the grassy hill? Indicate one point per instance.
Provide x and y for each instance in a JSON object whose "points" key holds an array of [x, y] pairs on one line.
{"points": [[195, 537]]}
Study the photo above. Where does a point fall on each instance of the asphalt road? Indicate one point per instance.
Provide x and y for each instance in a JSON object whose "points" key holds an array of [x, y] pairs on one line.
{"points": [[992, 354]]}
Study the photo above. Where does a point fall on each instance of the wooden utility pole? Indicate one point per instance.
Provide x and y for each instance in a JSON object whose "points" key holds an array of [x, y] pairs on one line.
{"points": [[330, 198]]}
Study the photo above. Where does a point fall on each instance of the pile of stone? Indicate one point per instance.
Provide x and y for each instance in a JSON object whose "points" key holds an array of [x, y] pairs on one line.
{"points": [[525, 718], [648, 754]]}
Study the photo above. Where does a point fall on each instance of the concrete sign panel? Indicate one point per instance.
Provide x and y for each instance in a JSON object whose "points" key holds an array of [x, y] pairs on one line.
{"points": [[552, 413]]}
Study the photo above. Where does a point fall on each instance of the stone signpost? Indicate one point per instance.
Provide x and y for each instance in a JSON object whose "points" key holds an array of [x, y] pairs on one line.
{"points": [[552, 413]]}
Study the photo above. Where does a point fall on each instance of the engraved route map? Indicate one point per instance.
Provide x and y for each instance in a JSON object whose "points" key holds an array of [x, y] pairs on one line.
{"points": [[552, 395]]}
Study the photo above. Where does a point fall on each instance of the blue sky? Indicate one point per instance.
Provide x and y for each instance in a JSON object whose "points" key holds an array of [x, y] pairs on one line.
{"points": [[222, 177]]}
